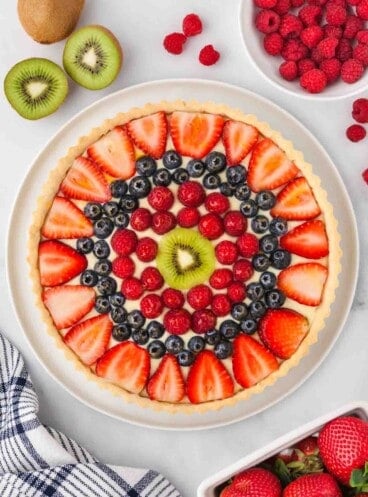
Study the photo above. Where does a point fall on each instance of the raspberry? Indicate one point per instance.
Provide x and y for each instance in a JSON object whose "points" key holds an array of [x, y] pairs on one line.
{"points": [[192, 25], [265, 4], [247, 245], [123, 267], [243, 270], [141, 219], [151, 306], [311, 36], [217, 203], [351, 71], [173, 299], [294, 50], [191, 194], [365, 175], [210, 226], [362, 9], [282, 7], [314, 81], [151, 279], [124, 241], [289, 70], [297, 3], [203, 321], [332, 69], [335, 15], [360, 110], [174, 43], [316, 55], [327, 47], [332, 31], [356, 132], [132, 288], [290, 26], [161, 198], [236, 292], [221, 305], [353, 2], [188, 217], [344, 50], [221, 278], [317, 2], [177, 321], [226, 252], [267, 21], [273, 43], [208, 56], [352, 26], [360, 53], [362, 36], [146, 249], [305, 65], [235, 223], [162, 222], [310, 14], [199, 297]]}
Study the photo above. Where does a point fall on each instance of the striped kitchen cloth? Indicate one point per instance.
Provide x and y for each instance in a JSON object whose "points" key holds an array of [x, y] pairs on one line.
{"points": [[37, 461]]}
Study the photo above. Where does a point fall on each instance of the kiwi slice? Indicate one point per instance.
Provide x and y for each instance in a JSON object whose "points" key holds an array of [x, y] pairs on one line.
{"points": [[92, 57], [36, 87], [185, 258]]}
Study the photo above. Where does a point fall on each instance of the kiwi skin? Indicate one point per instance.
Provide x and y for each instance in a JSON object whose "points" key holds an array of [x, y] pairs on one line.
{"points": [[48, 21]]}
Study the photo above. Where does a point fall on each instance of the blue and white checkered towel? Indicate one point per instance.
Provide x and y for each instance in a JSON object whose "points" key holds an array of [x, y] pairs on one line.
{"points": [[36, 461]]}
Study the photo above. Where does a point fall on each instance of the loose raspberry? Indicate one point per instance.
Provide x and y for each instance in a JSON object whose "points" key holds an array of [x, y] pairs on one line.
{"points": [[235, 223], [290, 26], [174, 43], [191, 194], [177, 321], [351, 71], [305, 65], [210, 226], [151, 279], [141, 219], [172, 298], [199, 297], [362, 10], [146, 249], [203, 321], [236, 292], [217, 203], [208, 56], [226, 252], [151, 306], [352, 26], [294, 50], [188, 217], [243, 270], [221, 278], [282, 7], [297, 3], [365, 175], [356, 133], [316, 56], [310, 14], [360, 53], [335, 15], [289, 70], [221, 305], [132, 288], [265, 4], [314, 81], [311, 36], [327, 47], [124, 241], [123, 267], [332, 69], [344, 50], [247, 245], [362, 36], [317, 2], [360, 110], [192, 25], [353, 2], [273, 43], [161, 198], [162, 222], [267, 21], [332, 31]]}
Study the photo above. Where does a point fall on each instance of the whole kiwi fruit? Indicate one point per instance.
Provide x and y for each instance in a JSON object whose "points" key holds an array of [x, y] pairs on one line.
{"points": [[48, 21]]}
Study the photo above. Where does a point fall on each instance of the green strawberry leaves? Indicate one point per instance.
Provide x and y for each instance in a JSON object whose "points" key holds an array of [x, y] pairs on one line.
{"points": [[359, 479]]}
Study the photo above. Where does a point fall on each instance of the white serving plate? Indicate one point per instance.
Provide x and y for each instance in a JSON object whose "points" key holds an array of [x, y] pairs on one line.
{"points": [[212, 485], [29, 317]]}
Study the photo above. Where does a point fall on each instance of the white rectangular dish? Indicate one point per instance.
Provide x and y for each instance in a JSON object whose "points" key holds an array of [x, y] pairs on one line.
{"points": [[212, 485]]}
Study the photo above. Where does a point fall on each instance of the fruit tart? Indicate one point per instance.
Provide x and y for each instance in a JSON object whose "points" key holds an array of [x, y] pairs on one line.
{"points": [[184, 256]]}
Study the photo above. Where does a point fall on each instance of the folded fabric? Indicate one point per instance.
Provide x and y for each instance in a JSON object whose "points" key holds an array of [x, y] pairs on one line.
{"points": [[37, 461]]}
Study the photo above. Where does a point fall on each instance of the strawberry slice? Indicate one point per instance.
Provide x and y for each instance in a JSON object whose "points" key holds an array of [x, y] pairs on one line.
{"points": [[269, 167], [307, 240], [126, 364], [252, 362], [303, 282], [65, 220], [59, 263], [282, 331], [195, 134], [296, 202], [167, 384], [208, 379], [114, 153], [149, 134], [90, 338], [85, 181], [68, 304], [239, 139]]}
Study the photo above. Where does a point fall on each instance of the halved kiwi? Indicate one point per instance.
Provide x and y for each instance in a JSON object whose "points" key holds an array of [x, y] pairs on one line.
{"points": [[36, 87], [92, 57], [185, 258]]}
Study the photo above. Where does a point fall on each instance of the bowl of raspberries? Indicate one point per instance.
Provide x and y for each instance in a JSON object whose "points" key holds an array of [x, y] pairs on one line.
{"points": [[310, 48]]}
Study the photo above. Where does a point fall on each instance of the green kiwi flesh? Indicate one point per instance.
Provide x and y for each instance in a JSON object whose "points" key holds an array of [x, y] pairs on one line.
{"points": [[36, 87], [92, 57], [185, 258]]}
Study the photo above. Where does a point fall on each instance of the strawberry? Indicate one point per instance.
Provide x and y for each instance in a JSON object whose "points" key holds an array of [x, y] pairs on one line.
{"points": [[127, 365], [252, 362], [195, 134], [239, 139], [343, 446], [65, 220], [114, 153], [269, 167], [303, 282], [308, 446], [307, 240], [59, 263], [296, 202], [68, 304], [253, 482], [208, 379], [313, 485], [167, 383], [282, 331], [85, 181], [149, 133], [90, 338]]}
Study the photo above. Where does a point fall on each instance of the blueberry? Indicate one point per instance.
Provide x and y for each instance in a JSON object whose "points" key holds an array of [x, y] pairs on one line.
{"points": [[146, 166], [274, 299], [156, 349], [268, 280], [248, 326], [103, 267], [140, 336], [242, 192], [103, 227], [215, 162], [249, 208], [106, 285], [211, 181], [85, 245], [226, 189], [136, 319], [260, 262], [111, 208], [195, 168], [118, 314], [93, 211], [162, 177], [268, 243], [174, 344], [280, 259], [139, 187], [118, 188], [236, 174], [257, 309], [89, 278], [196, 344], [212, 336], [171, 159], [180, 176], [129, 203], [117, 300], [121, 332], [255, 291], [229, 328], [101, 249], [239, 311], [102, 305], [278, 226], [155, 329], [186, 358], [260, 224], [265, 200], [223, 349], [121, 220]]}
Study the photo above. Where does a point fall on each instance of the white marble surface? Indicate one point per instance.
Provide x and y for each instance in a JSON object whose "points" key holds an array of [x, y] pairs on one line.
{"points": [[186, 458]]}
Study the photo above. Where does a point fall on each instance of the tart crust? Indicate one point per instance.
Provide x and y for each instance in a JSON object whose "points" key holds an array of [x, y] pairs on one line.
{"points": [[51, 187]]}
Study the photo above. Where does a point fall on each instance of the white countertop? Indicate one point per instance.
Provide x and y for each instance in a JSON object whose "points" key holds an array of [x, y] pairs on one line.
{"points": [[185, 458]]}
